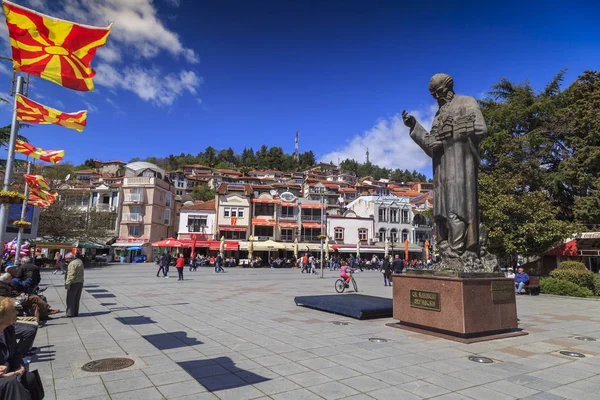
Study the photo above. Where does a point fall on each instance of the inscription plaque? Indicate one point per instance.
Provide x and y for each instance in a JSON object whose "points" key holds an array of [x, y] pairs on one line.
{"points": [[425, 300], [503, 291]]}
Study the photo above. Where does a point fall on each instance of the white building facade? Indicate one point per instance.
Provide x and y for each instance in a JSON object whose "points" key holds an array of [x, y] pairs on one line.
{"points": [[197, 220]]}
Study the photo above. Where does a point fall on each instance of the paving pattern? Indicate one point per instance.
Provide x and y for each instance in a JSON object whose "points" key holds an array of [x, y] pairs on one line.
{"points": [[239, 335]]}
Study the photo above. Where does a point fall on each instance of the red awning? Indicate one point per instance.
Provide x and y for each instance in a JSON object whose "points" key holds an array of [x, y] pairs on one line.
{"points": [[284, 204], [170, 242], [311, 205], [565, 249], [263, 222], [199, 243], [232, 229], [268, 201], [312, 225], [288, 225], [229, 246]]}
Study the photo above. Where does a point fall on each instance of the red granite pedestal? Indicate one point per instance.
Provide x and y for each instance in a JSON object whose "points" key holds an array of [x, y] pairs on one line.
{"points": [[467, 310]]}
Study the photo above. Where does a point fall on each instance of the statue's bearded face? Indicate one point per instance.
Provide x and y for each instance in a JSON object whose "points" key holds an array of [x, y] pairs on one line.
{"points": [[438, 92]]}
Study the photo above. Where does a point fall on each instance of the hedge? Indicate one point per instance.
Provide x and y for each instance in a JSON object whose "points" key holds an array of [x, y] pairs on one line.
{"points": [[597, 284], [563, 288], [583, 278], [572, 265]]}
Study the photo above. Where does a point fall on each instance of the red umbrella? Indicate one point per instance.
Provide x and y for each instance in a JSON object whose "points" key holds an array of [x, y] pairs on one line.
{"points": [[169, 242]]}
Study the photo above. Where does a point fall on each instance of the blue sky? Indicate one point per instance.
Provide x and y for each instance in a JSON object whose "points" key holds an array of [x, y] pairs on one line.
{"points": [[180, 75]]}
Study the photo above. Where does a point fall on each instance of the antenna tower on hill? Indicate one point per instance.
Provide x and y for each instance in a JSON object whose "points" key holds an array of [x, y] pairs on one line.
{"points": [[296, 153]]}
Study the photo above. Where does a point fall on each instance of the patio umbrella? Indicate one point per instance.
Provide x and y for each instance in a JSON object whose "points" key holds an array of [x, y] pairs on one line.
{"points": [[169, 242], [358, 249], [222, 247], [386, 249], [406, 249], [327, 247], [250, 247], [296, 248]]}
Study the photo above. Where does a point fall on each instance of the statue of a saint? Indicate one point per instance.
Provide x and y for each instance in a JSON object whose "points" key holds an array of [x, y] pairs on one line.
{"points": [[453, 145]]}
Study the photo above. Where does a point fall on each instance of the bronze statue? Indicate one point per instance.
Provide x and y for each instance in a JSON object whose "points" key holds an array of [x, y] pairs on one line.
{"points": [[453, 145]]}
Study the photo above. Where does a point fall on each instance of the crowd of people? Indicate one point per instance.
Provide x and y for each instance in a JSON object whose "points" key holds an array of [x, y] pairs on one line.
{"points": [[21, 295]]}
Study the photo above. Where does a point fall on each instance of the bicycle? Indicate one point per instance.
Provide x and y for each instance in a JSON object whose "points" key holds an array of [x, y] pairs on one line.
{"points": [[340, 284]]}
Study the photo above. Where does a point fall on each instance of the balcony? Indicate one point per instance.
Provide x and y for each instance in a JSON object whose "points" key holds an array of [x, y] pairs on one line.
{"points": [[287, 238], [105, 207], [132, 218], [311, 239], [288, 217], [310, 217], [132, 198]]}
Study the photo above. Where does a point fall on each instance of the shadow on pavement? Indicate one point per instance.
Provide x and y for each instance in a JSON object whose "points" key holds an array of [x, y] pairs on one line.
{"points": [[93, 313], [103, 295], [135, 320], [96, 290], [218, 376], [171, 340]]}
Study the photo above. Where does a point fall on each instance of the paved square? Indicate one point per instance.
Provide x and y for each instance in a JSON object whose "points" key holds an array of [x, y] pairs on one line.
{"points": [[239, 335]]}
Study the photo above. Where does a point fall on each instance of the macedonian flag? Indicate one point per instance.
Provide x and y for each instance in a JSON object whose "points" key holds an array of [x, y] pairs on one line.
{"points": [[53, 49], [53, 156], [39, 194], [36, 181], [35, 113]]}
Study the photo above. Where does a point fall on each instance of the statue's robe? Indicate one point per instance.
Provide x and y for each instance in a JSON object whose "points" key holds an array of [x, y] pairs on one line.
{"points": [[453, 145]]}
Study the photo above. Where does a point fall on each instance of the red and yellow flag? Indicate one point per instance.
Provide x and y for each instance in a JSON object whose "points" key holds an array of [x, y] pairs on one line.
{"points": [[57, 50], [40, 203], [35, 113], [36, 181], [39, 194], [53, 156]]}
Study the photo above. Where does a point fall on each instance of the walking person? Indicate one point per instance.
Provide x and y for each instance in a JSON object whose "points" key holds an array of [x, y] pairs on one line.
{"points": [[304, 263], [161, 265], [73, 284], [397, 265], [312, 261], [387, 272], [59, 266], [179, 264], [218, 262]]}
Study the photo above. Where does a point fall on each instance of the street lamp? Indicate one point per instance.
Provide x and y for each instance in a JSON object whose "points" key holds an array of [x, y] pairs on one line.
{"points": [[392, 244], [322, 235]]}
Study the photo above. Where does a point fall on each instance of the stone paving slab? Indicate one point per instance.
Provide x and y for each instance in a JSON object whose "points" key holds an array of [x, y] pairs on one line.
{"points": [[239, 335]]}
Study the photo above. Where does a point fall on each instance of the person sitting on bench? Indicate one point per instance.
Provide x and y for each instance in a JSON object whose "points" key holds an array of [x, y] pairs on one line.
{"points": [[521, 280]]}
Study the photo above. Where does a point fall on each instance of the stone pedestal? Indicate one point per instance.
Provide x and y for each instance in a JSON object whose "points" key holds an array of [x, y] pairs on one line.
{"points": [[462, 309]]}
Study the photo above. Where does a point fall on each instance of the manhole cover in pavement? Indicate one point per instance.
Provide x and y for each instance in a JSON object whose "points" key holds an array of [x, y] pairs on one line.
{"points": [[377, 340], [482, 360], [572, 354], [107, 364], [585, 338]]}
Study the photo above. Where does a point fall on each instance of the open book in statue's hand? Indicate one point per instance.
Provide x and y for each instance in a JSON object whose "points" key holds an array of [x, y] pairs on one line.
{"points": [[465, 125]]}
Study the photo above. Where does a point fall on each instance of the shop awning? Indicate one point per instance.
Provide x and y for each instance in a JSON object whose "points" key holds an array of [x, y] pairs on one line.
{"points": [[286, 204], [263, 222], [198, 244], [565, 250], [268, 245], [229, 246], [312, 225], [127, 245], [267, 201], [307, 205], [233, 228], [288, 225]]}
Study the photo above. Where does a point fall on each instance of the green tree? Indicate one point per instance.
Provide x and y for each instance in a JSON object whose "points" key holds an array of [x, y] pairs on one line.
{"points": [[306, 160], [203, 193]]}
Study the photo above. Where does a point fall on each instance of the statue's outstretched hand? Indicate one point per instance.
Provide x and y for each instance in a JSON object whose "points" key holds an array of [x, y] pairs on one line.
{"points": [[408, 119]]}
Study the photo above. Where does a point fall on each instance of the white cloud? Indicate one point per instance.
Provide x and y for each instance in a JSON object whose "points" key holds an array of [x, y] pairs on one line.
{"points": [[90, 107], [389, 144], [174, 3], [150, 84], [4, 69]]}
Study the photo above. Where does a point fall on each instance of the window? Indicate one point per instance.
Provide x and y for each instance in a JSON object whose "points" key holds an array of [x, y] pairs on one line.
{"points": [[263, 231], [393, 235], [339, 233], [381, 235], [287, 235], [235, 235], [287, 212], [233, 212], [169, 194], [381, 215], [264, 209], [136, 210], [405, 219], [167, 217], [363, 234], [197, 223], [404, 235], [393, 215], [240, 212], [135, 230], [226, 212]]}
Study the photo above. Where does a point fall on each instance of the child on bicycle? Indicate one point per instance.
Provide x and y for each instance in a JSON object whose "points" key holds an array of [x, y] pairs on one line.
{"points": [[343, 273]]}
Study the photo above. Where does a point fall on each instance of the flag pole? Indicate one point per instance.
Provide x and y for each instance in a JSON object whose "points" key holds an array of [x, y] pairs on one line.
{"points": [[23, 209], [8, 173]]}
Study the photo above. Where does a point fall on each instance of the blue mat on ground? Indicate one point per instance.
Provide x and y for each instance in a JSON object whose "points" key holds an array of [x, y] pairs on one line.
{"points": [[357, 306]]}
